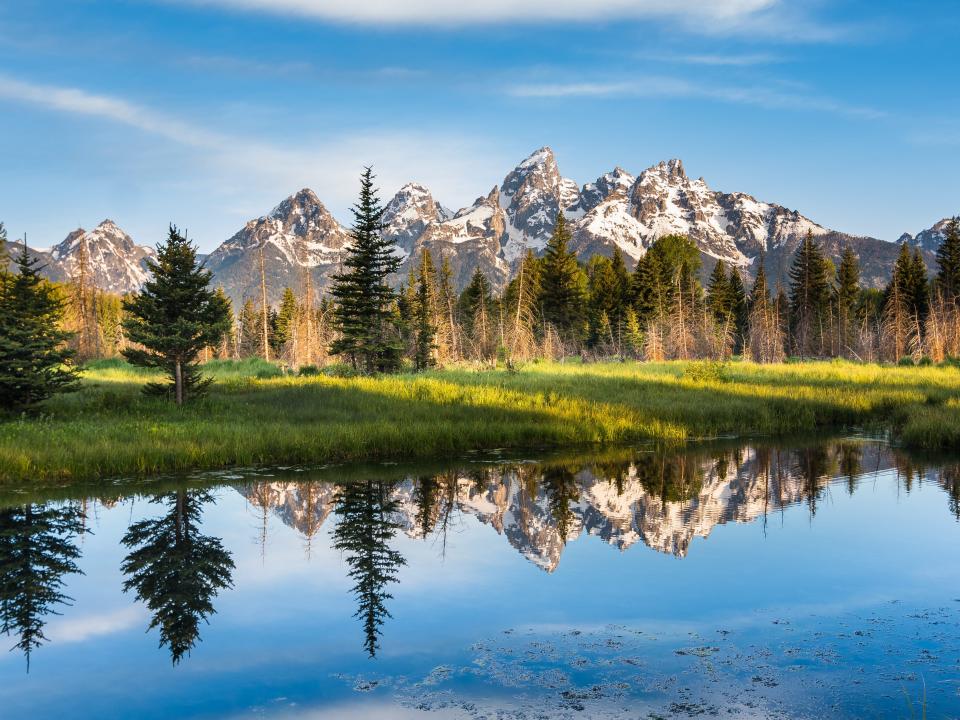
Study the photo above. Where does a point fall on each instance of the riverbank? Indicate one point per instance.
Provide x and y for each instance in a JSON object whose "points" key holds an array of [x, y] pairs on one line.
{"points": [[254, 416]]}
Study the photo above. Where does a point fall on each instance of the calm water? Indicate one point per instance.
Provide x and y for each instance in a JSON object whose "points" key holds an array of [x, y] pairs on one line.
{"points": [[748, 580]]}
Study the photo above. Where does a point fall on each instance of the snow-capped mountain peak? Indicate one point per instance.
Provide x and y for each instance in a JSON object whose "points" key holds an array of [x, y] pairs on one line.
{"points": [[114, 262]]}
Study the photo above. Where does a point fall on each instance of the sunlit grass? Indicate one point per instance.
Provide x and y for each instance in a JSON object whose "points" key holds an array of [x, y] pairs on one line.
{"points": [[254, 415]]}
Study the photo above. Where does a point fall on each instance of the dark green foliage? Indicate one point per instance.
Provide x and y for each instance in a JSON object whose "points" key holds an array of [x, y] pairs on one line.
{"points": [[366, 524], [649, 288], [35, 553], [608, 287], [174, 317], [364, 311], [176, 570], [476, 306], [910, 278], [34, 358], [846, 297], [809, 297], [560, 486], [948, 263], [760, 294], [426, 300], [250, 330], [739, 309], [284, 321], [563, 295], [720, 294]]}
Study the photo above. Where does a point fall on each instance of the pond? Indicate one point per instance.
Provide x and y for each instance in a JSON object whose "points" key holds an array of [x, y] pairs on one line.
{"points": [[751, 579]]}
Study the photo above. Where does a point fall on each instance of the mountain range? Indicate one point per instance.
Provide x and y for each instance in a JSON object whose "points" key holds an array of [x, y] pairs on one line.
{"points": [[617, 210], [622, 507]]}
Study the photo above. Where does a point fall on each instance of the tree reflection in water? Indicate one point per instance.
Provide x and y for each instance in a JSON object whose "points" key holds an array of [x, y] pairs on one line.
{"points": [[176, 570]]}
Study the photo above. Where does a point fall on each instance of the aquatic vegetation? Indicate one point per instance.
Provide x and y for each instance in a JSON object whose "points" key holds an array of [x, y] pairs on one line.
{"points": [[256, 415]]}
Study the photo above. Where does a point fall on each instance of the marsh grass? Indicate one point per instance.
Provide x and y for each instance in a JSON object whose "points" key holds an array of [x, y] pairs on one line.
{"points": [[256, 415]]}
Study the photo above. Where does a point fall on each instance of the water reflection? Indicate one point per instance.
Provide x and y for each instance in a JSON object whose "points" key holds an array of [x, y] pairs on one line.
{"points": [[663, 499], [175, 569], [37, 551]]}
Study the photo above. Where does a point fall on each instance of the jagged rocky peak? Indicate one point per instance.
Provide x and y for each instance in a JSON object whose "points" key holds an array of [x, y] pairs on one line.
{"points": [[616, 182], [303, 214], [928, 239], [114, 262], [409, 212]]}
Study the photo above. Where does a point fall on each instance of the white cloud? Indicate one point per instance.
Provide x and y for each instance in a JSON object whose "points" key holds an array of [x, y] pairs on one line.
{"points": [[666, 87], [450, 12], [247, 176], [80, 629], [717, 60], [73, 100]]}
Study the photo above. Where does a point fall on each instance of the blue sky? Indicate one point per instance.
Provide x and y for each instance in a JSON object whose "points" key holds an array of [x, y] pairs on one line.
{"points": [[209, 112]]}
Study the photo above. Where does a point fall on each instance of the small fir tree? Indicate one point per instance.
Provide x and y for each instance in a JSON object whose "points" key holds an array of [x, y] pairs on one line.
{"points": [[365, 304], [174, 317], [35, 361]]}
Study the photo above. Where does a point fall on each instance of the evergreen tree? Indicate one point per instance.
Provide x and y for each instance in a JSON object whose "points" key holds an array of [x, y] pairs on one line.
{"points": [[448, 331], [919, 286], [606, 296], [632, 334], [35, 362], [227, 347], [719, 295], [285, 324], [562, 287], [760, 294], [809, 296], [476, 313], [36, 552], [365, 527], [248, 325], [174, 317], [364, 313], [560, 486], [847, 295], [739, 308], [176, 570], [948, 263], [426, 302]]}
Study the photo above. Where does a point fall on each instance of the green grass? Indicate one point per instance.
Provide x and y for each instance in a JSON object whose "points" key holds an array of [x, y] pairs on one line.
{"points": [[254, 417]]}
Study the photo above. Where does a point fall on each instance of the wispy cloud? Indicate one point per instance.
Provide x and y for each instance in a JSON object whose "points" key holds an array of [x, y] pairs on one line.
{"points": [[669, 87], [81, 102], [80, 629], [718, 60], [445, 12], [247, 175]]}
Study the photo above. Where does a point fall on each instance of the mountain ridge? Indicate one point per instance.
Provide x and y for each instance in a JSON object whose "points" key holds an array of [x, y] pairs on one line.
{"points": [[617, 210]]}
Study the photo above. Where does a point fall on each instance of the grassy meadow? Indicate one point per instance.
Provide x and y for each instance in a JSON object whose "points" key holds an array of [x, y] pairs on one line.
{"points": [[255, 415]]}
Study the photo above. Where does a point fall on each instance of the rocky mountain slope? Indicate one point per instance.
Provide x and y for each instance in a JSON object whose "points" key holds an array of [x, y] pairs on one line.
{"points": [[621, 511], [300, 238], [115, 263]]}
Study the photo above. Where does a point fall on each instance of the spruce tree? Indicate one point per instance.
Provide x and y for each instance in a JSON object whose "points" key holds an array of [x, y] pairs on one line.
{"points": [[176, 570], [366, 512], [739, 308], [809, 296], [285, 325], [426, 301], [719, 296], [364, 312], [174, 317], [248, 325], [35, 361], [476, 313], [562, 287], [847, 294], [36, 552], [948, 263]]}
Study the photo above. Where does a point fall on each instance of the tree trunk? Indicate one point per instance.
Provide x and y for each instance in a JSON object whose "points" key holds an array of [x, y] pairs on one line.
{"points": [[263, 306], [178, 378]]}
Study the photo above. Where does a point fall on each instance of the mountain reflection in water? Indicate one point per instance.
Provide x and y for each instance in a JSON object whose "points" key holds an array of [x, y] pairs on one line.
{"points": [[179, 569]]}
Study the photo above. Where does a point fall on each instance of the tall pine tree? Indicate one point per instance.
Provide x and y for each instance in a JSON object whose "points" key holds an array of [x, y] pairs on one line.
{"points": [[948, 263], [364, 303], [35, 362], [809, 297], [426, 301], [174, 317], [562, 286]]}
